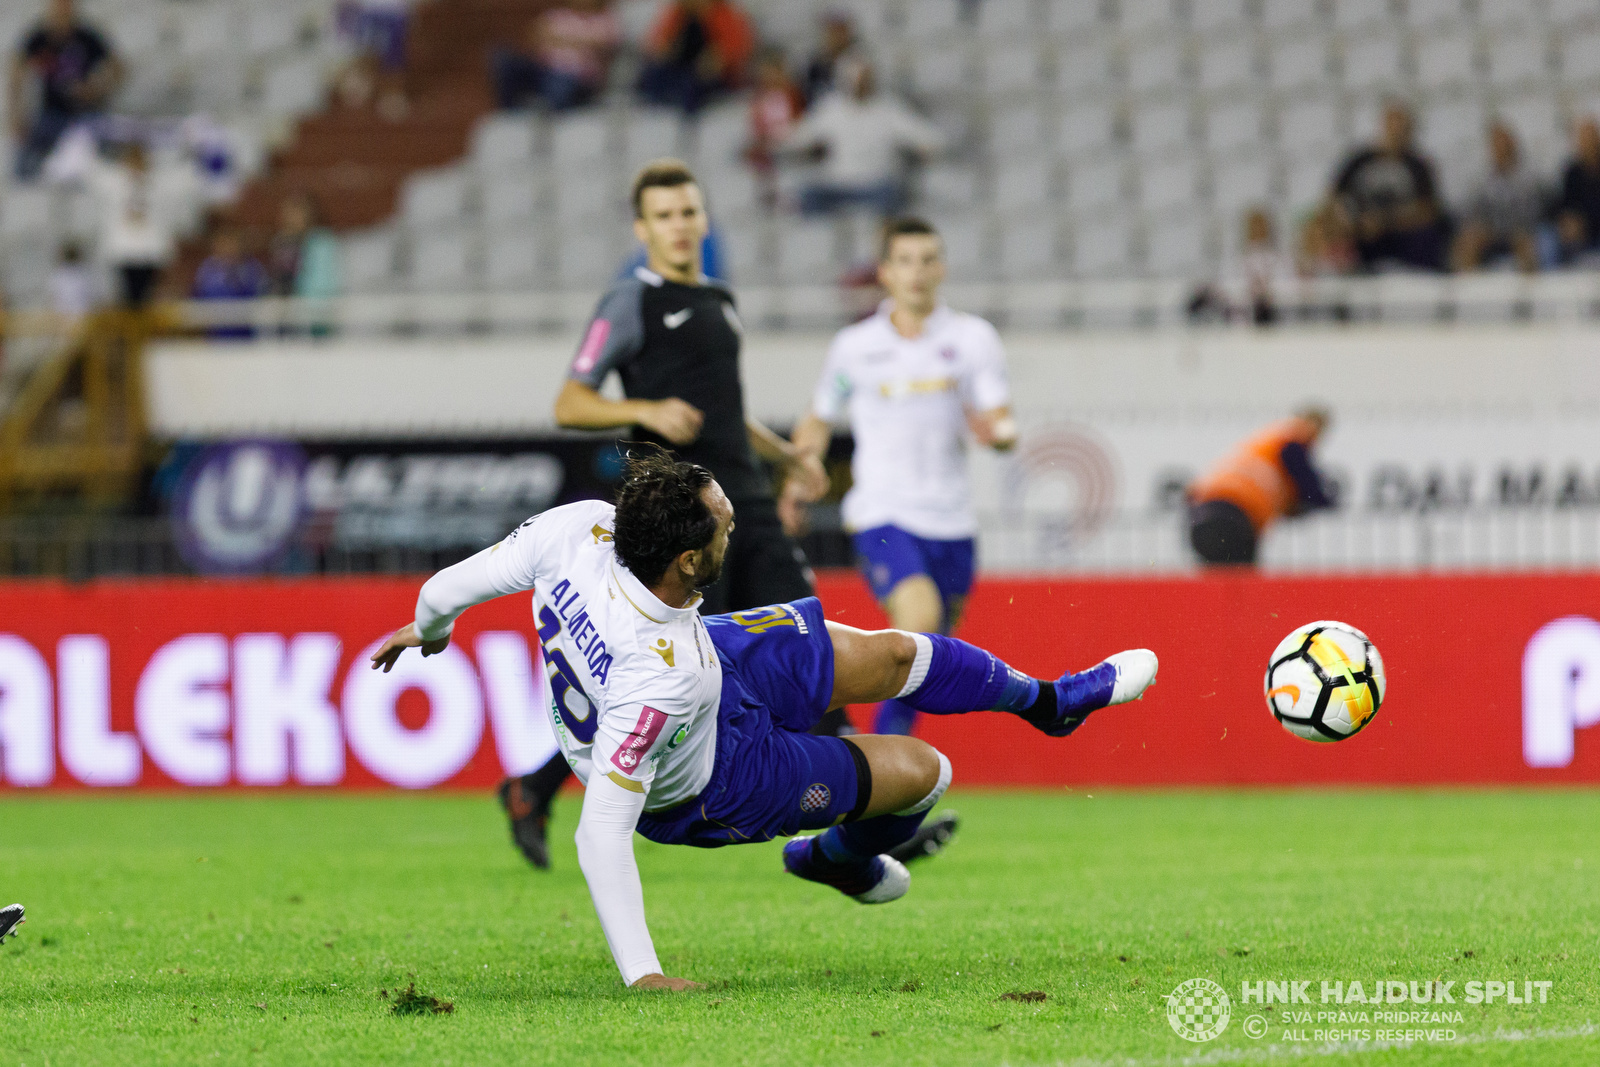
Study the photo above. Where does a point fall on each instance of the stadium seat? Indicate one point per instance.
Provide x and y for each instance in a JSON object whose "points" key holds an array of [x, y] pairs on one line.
{"points": [[1497, 14], [1299, 62], [1434, 15], [1138, 16], [138, 30], [1444, 127], [966, 245], [25, 211], [1580, 58], [1066, 18], [1373, 62], [580, 142], [1156, 66], [1008, 18], [1309, 124], [948, 185], [747, 252], [1176, 247], [1361, 14], [1084, 68], [1289, 14], [293, 87], [1013, 67], [601, 196], [432, 198], [1234, 126], [1101, 249], [217, 85], [651, 134], [1220, 16], [270, 28], [503, 140], [1307, 181], [732, 193], [720, 134], [1094, 184], [443, 261], [940, 69], [509, 197], [1537, 120], [1227, 64], [587, 259], [1085, 128], [1170, 184], [1572, 12], [1518, 58], [1159, 127], [1237, 184], [931, 19], [808, 252], [1446, 59], [367, 261], [207, 29], [511, 259], [1025, 182], [1022, 128]]}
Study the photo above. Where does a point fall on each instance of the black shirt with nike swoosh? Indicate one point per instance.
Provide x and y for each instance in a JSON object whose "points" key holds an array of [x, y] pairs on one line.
{"points": [[666, 340]]}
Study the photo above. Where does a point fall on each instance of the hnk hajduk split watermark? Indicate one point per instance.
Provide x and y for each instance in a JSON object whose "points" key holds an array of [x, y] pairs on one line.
{"points": [[1342, 1010]]}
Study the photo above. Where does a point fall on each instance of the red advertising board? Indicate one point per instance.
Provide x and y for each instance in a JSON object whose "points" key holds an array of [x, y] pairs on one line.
{"points": [[1492, 679]]}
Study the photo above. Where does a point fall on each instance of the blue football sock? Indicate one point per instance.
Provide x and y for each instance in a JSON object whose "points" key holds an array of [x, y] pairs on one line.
{"points": [[854, 843], [963, 678], [894, 717]]}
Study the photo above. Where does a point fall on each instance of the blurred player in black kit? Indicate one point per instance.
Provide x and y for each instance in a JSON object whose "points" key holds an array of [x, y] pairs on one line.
{"points": [[673, 335]]}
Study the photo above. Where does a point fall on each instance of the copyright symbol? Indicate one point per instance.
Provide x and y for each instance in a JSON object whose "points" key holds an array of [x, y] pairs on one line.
{"points": [[1255, 1026]]}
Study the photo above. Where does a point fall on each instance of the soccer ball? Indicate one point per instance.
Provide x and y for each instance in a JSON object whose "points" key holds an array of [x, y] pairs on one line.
{"points": [[1325, 681]]}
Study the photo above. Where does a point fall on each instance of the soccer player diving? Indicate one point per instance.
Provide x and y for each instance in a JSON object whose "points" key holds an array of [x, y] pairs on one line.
{"points": [[692, 730]]}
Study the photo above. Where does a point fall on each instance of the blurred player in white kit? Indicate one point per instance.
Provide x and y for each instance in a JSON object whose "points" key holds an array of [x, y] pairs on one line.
{"points": [[913, 381]]}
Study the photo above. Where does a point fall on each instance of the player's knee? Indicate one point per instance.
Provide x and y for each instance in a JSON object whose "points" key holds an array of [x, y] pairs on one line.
{"points": [[931, 770]]}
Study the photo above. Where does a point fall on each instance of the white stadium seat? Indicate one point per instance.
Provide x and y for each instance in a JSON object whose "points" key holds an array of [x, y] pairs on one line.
{"points": [[1084, 68], [1135, 16], [586, 259], [1227, 64], [270, 28], [1069, 17], [720, 133], [1028, 249], [1308, 179], [1102, 249], [1565, 12], [580, 142], [1434, 14], [1234, 126], [1518, 58], [1308, 124], [367, 261], [1373, 62], [511, 259], [1156, 66], [1171, 184], [1361, 14], [293, 87], [1085, 128], [207, 29], [1009, 18], [948, 185], [1237, 184], [807, 253], [1219, 15], [966, 249], [503, 140], [430, 198], [601, 196], [1025, 182], [1013, 67], [651, 134], [1092, 186], [25, 210], [940, 68], [443, 262], [509, 197], [1017, 129], [1177, 248], [1159, 127], [1445, 60], [1289, 14], [1299, 62], [746, 253], [1500, 13], [1580, 57], [931, 18]]}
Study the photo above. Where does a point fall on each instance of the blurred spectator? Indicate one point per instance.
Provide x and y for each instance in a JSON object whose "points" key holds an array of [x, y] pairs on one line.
{"points": [[563, 60], [838, 42], [862, 135], [72, 285], [775, 107], [1392, 200], [303, 256], [1264, 270], [1503, 214], [76, 72], [1578, 212], [697, 49], [141, 210], [1326, 246], [229, 274], [379, 29]]}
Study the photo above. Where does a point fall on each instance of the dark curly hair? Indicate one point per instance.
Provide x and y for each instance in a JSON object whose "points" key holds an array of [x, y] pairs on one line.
{"points": [[659, 512]]}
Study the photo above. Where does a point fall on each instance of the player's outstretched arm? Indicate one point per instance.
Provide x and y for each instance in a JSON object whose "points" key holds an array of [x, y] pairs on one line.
{"points": [[605, 854], [581, 407]]}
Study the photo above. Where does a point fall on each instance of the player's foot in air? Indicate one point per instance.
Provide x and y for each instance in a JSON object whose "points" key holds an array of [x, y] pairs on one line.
{"points": [[529, 815], [10, 919], [1114, 680], [930, 838], [875, 881]]}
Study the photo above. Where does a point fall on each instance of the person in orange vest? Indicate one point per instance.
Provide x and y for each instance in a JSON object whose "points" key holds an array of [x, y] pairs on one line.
{"points": [[1268, 476]]}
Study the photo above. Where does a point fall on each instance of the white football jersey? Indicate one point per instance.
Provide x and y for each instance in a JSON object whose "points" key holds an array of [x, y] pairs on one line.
{"points": [[907, 400], [634, 684]]}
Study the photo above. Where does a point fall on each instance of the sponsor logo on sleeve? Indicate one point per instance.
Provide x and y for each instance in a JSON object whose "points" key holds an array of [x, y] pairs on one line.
{"points": [[636, 746], [594, 343]]}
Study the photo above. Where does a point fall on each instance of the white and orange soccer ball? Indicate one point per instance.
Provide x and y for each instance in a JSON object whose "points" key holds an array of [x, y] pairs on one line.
{"points": [[1325, 681]]}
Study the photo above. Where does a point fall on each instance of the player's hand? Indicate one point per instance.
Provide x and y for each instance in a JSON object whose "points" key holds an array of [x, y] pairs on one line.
{"points": [[677, 420], [404, 638], [792, 510], [809, 478], [661, 981], [993, 430]]}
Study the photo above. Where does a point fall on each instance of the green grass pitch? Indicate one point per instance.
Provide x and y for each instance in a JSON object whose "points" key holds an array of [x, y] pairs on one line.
{"points": [[261, 930]]}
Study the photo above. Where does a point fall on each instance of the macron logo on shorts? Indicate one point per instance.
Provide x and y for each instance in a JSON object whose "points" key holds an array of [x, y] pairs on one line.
{"points": [[594, 343], [639, 741]]}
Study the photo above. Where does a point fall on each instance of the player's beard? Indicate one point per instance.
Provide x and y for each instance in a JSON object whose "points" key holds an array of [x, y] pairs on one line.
{"points": [[710, 570]]}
